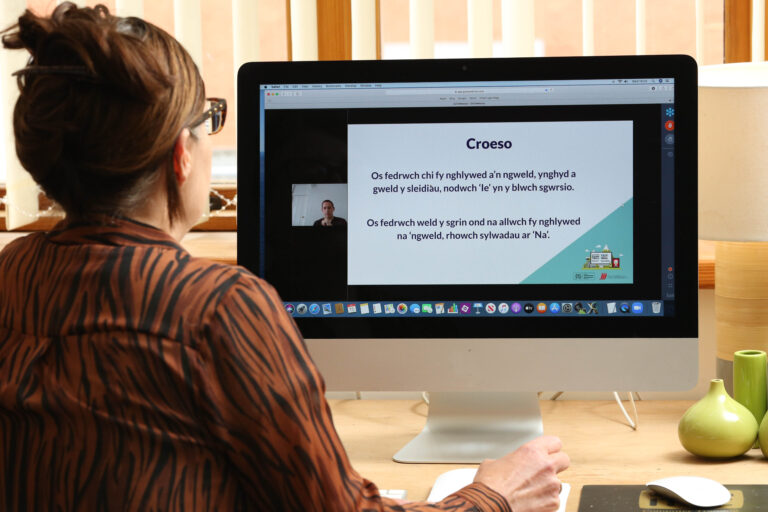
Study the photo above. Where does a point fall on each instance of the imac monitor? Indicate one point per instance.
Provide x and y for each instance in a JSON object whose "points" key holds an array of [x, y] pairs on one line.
{"points": [[481, 229]]}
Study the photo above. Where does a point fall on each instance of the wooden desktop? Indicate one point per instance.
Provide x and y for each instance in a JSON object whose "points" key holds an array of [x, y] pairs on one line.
{"points": [[602, 447]]}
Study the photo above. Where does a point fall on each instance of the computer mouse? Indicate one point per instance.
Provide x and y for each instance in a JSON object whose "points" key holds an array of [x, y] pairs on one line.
{"points": [[696, 491]]}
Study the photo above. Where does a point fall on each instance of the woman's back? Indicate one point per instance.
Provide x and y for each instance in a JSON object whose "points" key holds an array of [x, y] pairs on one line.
{"points": [[105, 335]]}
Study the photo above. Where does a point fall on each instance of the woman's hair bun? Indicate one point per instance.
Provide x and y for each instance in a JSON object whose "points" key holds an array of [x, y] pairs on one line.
{"points": [[31, 29], [101, 102], [109, 48]]}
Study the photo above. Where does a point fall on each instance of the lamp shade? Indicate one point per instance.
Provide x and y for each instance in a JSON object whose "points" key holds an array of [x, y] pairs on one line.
{"points": [[733, 152]]}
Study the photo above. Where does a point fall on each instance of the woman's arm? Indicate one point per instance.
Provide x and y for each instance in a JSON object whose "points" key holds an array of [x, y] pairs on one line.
{"points": [[263, 401]]}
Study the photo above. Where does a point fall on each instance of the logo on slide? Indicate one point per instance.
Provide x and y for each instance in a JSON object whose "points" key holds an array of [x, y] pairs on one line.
{"points": [[503, 308], [465, 308], [402, 308], [603, 258]]}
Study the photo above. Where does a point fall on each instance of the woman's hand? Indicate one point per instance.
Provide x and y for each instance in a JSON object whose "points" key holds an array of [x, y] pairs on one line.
{"points": [[527, 477]]}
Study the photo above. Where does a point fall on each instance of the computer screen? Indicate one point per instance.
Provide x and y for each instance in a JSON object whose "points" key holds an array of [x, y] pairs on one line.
{"points": [[481, 225]]}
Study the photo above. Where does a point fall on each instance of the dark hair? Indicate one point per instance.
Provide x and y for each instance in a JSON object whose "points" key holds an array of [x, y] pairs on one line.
{"points": [[101, 104], [327, 201]]}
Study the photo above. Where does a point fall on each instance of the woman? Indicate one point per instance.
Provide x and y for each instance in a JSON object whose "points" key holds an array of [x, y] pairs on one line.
{"points": [[135, 377]]}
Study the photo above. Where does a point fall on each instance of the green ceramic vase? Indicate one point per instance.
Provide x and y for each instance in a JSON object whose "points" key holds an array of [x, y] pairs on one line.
{"points": [[717, 426], [762, 436], [749, 387]]}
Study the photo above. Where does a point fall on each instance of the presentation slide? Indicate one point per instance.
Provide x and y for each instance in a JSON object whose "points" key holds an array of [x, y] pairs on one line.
{"points": [[490, 203]]}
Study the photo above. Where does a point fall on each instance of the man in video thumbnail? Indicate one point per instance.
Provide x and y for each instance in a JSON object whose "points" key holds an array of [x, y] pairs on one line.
{"points": [[328, 218]]}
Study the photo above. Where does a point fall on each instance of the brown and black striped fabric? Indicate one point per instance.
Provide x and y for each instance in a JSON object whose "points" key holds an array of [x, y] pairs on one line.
{"points": [[136, 377]]}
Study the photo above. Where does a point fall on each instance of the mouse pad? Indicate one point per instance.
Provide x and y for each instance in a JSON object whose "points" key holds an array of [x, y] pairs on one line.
{"points": [[638, 498]]}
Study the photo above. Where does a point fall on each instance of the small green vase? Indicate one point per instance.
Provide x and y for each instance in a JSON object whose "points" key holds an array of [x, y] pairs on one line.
{"points": [[749, 386], [717, 426], [762, 436]]}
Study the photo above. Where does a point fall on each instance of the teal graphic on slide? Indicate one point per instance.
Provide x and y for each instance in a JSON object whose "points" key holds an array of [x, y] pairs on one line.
{"points": [[603, 255]]}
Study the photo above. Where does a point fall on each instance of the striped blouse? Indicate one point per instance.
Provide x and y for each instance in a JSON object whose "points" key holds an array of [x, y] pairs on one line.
{"points": [[136, 377]]}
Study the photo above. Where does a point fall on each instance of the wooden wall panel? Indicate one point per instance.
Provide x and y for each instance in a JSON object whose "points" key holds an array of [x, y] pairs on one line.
{"points": [[737, 28], [334, 30]]}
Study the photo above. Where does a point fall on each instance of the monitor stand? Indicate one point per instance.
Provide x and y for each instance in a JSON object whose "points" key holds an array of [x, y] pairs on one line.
{"points": [[468, 427]]}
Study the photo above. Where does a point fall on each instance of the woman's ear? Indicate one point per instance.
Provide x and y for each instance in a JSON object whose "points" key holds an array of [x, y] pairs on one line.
{"points": [[182, 156]]}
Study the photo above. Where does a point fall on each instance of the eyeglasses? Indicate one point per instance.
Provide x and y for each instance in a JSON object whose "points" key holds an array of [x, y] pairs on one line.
{"points": [[213, 117]]}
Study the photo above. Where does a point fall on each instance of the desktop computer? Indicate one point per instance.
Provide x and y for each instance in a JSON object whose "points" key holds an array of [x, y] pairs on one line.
{"points": [[481, 229]]}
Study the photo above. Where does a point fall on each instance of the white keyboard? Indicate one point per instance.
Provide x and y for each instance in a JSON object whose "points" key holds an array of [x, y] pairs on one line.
{"points": [[398, 494]]}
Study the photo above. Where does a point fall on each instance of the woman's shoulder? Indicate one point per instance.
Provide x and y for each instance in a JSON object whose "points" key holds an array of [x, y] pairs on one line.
{"points": [[14, 244], [230, 298], [224, 281]]}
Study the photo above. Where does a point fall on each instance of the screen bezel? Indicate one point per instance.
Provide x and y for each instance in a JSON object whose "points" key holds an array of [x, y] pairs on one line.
{"points": [[684, 323]]}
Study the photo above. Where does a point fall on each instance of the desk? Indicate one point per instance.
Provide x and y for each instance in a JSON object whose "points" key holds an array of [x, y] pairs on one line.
{"points": [[602, 448]]}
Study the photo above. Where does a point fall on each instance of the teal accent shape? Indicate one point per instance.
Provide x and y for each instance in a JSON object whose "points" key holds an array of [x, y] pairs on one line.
{"points": [[615, 231]]}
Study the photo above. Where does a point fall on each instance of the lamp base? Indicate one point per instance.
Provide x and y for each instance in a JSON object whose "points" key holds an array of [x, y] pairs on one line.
{"points": [[741, 302]]}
